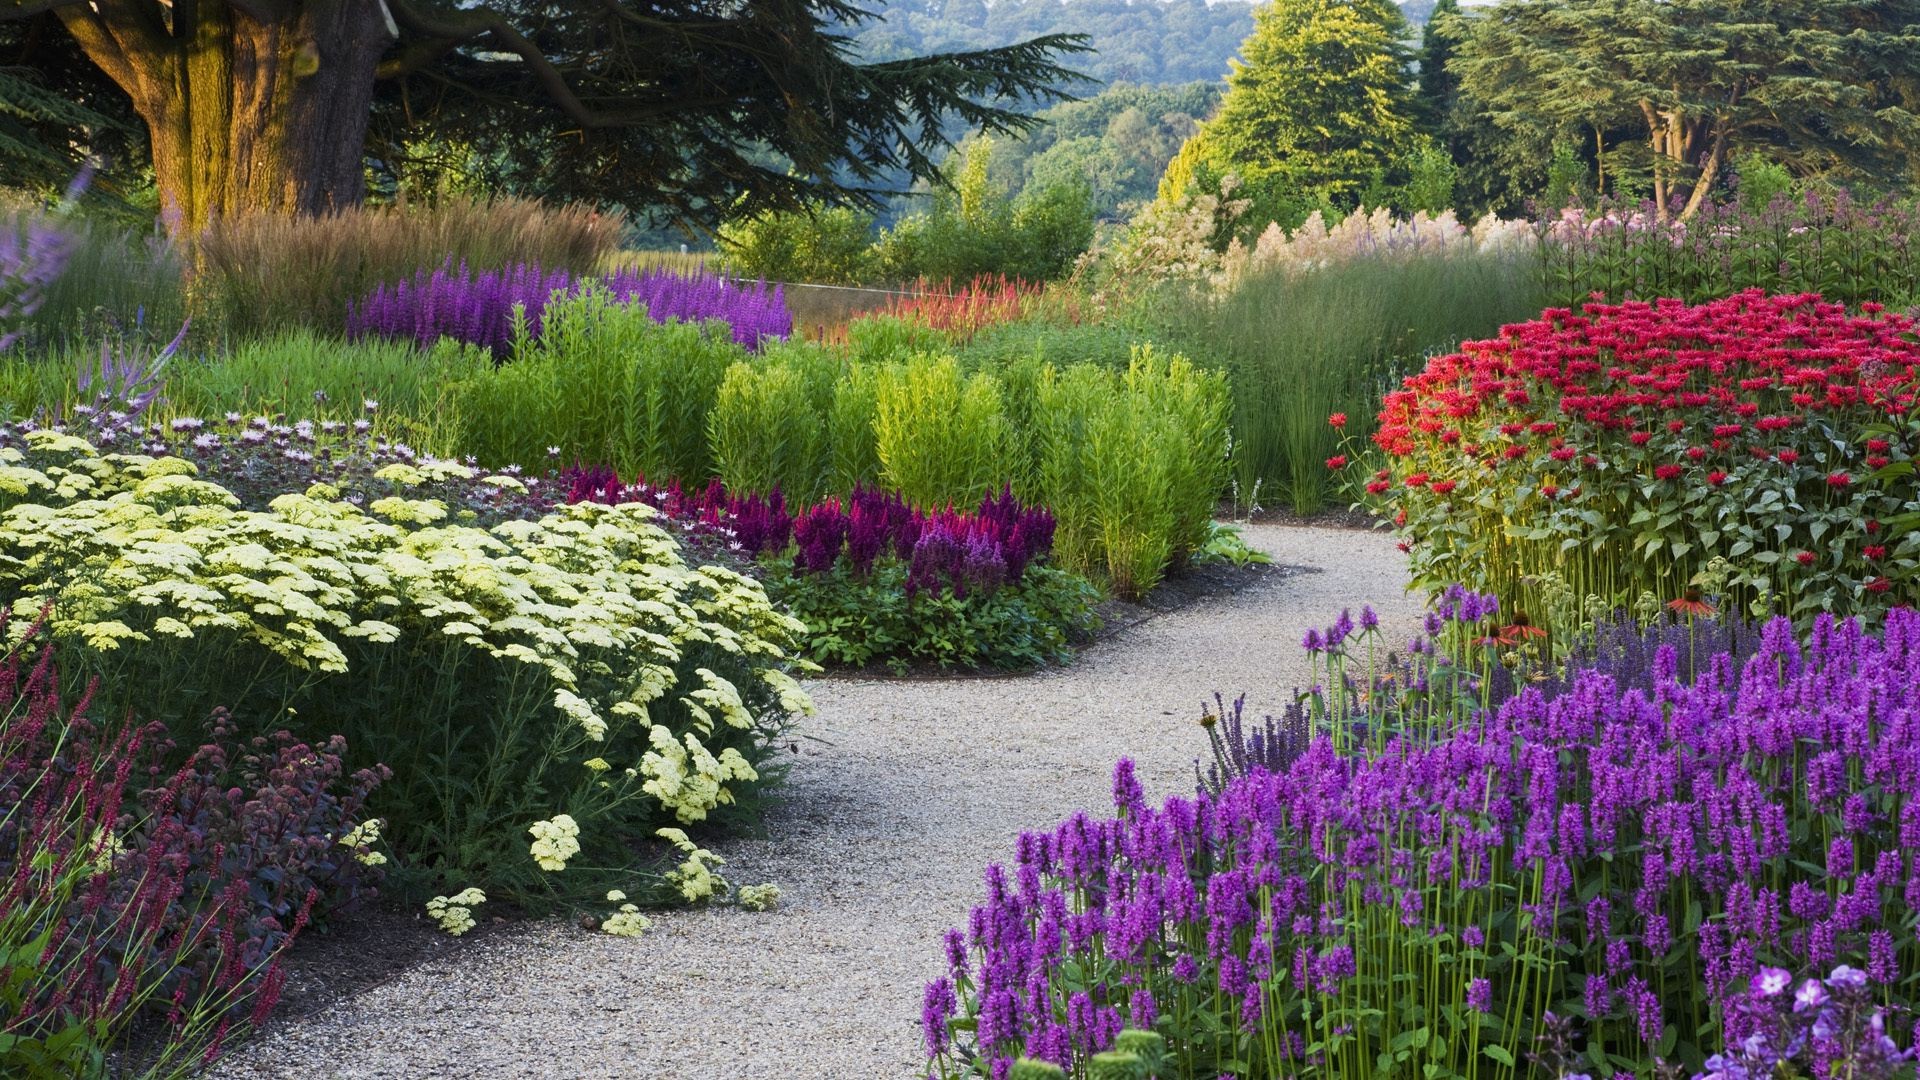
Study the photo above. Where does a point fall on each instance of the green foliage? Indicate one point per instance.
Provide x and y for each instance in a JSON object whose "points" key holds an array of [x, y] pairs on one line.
{"points": [[857, 621], [1760, 181], [1674, 91], [489, 668], [766, 432], [1101, 342], [1317, 103], [1431, 179], [826, 247], [1131, 463], [940, 435], [1567, 178], [853, 455], [604, 383], [976, 229], [1117, 142], [1226, 544]]}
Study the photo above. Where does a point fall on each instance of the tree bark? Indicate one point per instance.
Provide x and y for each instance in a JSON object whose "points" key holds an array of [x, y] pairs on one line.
{"points": [[251, 107]]}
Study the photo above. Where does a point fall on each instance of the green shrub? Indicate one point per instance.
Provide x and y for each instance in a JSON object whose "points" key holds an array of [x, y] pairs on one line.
{"points": [[603, 383], [571, 666], [974, 230], [828, 247], [853, 454], [766, 433], [1130, 463], [857, 620], [940, 435], [1108, 344]]}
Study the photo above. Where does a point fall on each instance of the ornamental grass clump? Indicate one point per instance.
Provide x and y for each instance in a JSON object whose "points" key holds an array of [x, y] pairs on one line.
{"points": [[1624, 450], [1630, 860], [570, 663]]}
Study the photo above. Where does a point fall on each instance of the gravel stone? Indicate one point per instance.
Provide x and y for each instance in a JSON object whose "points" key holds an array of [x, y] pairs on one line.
{"points": [[902, 793]]}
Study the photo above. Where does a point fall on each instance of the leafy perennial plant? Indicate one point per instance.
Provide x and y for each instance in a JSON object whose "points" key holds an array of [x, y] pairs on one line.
{"points": [[568, 665], [1625, 449], [1629, 859], [875, 579]]}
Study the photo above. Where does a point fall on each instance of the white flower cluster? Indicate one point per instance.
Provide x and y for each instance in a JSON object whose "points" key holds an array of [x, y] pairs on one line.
{"points": [[626, 922], [455, 913], [695, 878], [361, 839], [684, 775], [132, 550], [1369, 235], [758, 897], [555, 841]]}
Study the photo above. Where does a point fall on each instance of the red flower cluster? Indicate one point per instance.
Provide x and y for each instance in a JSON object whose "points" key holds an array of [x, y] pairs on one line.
{"points": [[1644, 436], [1621, 367]]}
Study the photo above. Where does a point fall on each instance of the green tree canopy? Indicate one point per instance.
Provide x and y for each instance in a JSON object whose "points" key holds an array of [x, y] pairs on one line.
{"points": [[701, 106], [1821, 85], [1317, 108]]}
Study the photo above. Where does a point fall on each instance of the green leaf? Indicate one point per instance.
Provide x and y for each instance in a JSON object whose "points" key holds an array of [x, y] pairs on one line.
{"points": [[1499, 1054]]}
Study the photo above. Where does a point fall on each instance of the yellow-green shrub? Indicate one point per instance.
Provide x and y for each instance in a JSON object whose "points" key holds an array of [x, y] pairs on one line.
{"points": [[1130, 463], [765, 432], [571, 665], [940, 435]]}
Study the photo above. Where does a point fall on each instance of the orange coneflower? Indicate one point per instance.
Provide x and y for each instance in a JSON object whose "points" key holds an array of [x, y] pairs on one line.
{"points": [[1691, 602], [1520, 629]]}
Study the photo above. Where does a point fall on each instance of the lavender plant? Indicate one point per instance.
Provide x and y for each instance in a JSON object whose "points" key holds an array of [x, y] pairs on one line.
{"points": [[1416, 901]]}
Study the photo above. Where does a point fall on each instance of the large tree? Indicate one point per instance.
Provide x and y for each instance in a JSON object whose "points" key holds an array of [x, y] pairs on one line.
{"points": [[701, 106], [1810, 82], [1317, 106]]}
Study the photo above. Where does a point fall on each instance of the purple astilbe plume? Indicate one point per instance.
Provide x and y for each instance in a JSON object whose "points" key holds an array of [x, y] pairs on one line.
{"points": [[819, 532], [945, 550], [938, 556], [1641, 845], [478, 308], [873, 518]]}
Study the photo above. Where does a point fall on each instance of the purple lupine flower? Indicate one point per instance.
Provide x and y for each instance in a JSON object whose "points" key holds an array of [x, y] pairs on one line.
{"points": [[1480, 996]]}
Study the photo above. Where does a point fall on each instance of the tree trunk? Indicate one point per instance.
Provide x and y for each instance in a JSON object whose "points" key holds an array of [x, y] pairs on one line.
{"points": [[1709, 172], [251, 107]]}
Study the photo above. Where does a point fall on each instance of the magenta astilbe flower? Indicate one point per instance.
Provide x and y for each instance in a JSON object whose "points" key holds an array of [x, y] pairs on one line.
{"points": [[820, 531]]}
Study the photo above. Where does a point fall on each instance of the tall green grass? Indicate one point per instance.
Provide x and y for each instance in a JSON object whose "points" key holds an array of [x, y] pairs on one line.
{"points": [[1298, 348], [115, 279], [296, 375]]}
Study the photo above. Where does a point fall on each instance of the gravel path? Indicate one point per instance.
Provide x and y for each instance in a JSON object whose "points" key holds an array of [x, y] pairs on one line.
{"points": [[894, 807]]}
